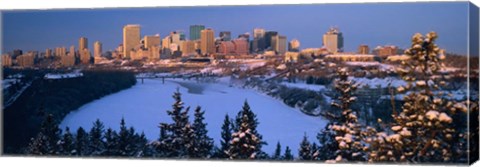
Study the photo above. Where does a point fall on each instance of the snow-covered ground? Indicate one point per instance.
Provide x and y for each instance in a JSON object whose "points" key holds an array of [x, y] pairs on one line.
{"points": [[144, 107], [6, 83], [384, 67], [62, 76], [383, 82], [312, 87]]}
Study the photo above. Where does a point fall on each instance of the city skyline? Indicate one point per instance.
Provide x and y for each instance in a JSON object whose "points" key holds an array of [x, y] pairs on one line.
{"points": [[359, 24]]}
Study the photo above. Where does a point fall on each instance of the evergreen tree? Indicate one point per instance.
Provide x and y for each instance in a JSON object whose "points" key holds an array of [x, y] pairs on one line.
{"points": [[315, 151], [202, 143], [347, 130], [252, 124], [81, 142], [226, 136], [47, 142], [188, 139], [125, 140], [177, 138], [326, 137], [305, 152], [244, 143], [277, 155], [111, 143], [288, 154], [68, 142], [96, 143], [142, 146]]}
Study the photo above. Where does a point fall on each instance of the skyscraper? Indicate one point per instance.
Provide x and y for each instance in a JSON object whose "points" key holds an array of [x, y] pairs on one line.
{"points": [[151, 41], [175, 37], [131, 38], [268, 38], [97, 49], [48, 53], [6, 60], [333, 40], [258, 39], [72, 50], [225, 36], [85, 56], [166, 42], [241, 46], [82, 43], [60, 51], [207, 40], [195, 31], [187, 48], [279, 44]]}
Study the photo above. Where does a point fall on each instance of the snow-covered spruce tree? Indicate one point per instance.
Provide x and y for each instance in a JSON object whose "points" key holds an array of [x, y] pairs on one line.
{"points": [[202, 143], [141, 146], [111, 143], [252, 124], [226, 136], [126, 140], [244, 143], [305, 152], [81, 142], [47, 142], [277, 155], [96, 143], [288, 156], [68, 143], [423, 130], [326, 137], [315, 151], [188, 138], [347, 130], [177, 138]]}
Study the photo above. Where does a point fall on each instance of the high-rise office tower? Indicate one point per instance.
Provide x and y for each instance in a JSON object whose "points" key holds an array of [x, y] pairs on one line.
{"points": [[131, 38], [82, 43], [60, 51], [72, 50], [48, 53], [207, 41], [97, 49], [85, 56], [225, 35], [195, 31], [268, 38], [294, 45], [258, 39], [333, 40], [6, 60], [187, 48], [175, 37], [166, 42], [241, 46], [150, 41], [279, 44]]}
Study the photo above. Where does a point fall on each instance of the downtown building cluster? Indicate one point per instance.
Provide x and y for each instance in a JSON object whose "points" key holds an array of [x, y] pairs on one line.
{"points": [[202, 42]]}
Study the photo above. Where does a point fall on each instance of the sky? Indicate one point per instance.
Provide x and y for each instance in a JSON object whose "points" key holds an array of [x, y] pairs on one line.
{"points": [[373, 24]]}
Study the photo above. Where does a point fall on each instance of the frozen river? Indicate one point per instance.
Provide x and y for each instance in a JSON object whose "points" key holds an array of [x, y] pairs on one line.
{"points": [[144, 106]]}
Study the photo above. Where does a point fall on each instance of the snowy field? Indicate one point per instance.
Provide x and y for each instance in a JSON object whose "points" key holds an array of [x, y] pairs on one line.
{"points": [[63, 76], [301, 85], [144, 107]]}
